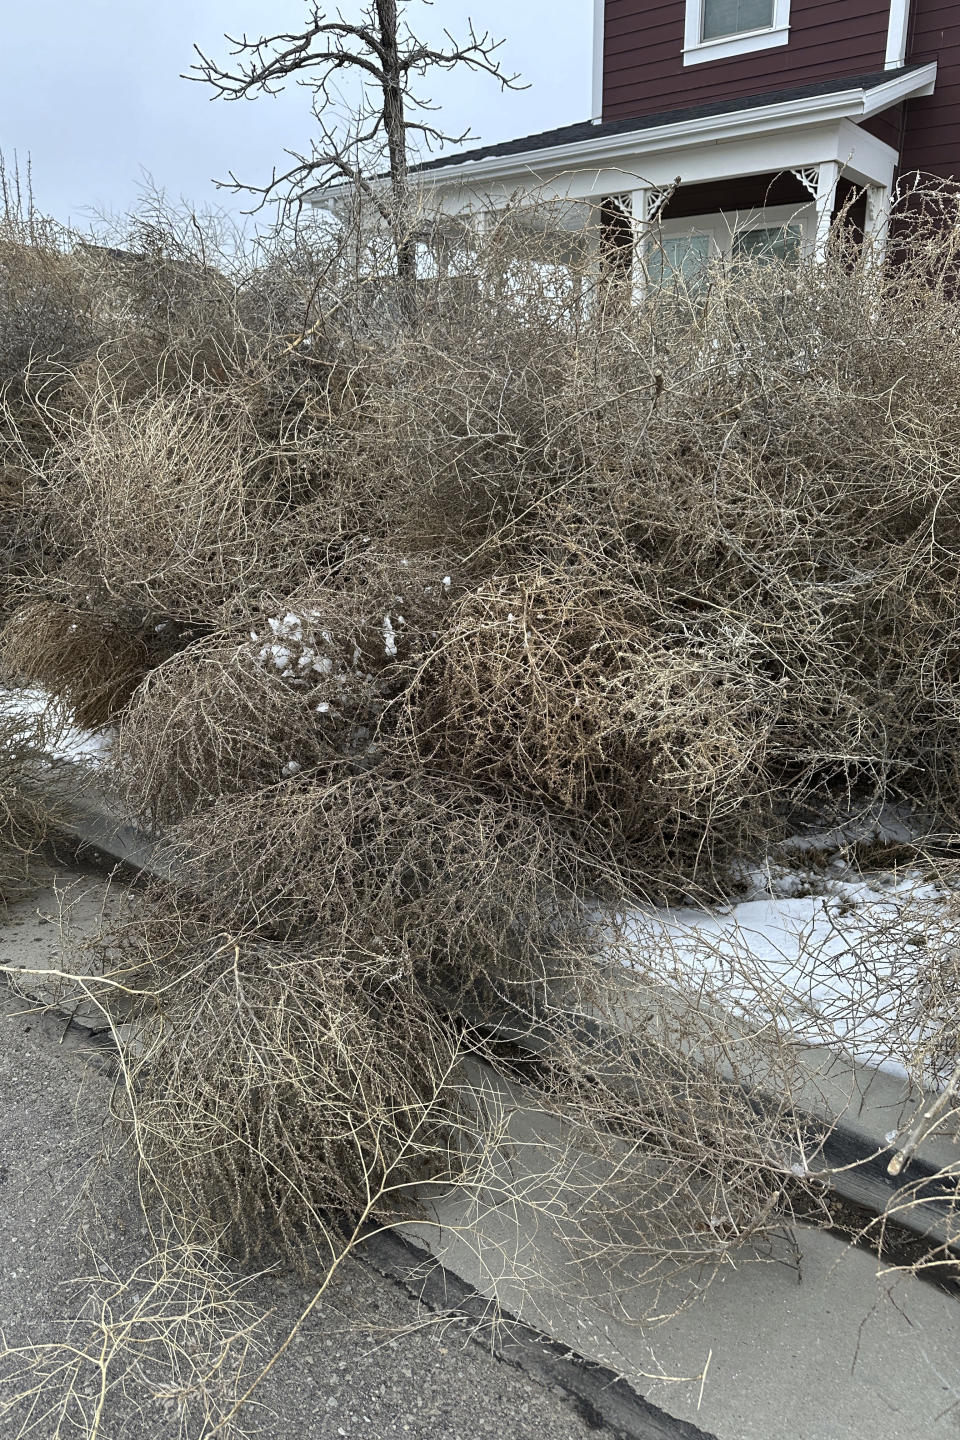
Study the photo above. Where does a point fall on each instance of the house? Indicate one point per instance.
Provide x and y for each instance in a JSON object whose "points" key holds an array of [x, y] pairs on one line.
{"points": [[772, 114]]}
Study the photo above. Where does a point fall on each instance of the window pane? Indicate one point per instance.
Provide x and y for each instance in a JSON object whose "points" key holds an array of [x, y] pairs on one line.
{"points": [[774, 242], [732, 17], [680, 257]]}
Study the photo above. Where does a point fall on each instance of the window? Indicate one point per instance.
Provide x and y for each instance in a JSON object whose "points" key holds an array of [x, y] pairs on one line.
{"points": [[680, 259], [687, 248], [733, 17], [718, 29], [769, 242]]}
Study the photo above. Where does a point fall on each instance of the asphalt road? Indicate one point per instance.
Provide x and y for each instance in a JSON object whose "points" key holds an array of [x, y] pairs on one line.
{"points": [[371, 1360]]}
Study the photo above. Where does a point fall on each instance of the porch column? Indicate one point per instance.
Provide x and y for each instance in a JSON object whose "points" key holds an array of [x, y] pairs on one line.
{"points": [[828, 176], [641, 207], [481, 222], [645, 207], [877, 225]]}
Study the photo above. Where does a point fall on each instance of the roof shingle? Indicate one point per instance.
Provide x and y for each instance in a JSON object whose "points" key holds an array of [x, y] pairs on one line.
{"points": [[588, 130]]}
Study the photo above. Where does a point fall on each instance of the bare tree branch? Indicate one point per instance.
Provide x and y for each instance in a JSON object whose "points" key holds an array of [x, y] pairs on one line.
{"points": [[382, 51]]}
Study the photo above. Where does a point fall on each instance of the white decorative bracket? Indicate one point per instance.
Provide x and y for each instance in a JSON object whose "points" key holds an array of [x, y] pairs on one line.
{"points": [[656, 200], [647, 204], [809, 179], [820, 183]]}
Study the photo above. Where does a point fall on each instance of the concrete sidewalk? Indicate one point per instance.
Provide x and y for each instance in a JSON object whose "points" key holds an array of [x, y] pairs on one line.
{"points": [[809, 1345], [807, 1342]]}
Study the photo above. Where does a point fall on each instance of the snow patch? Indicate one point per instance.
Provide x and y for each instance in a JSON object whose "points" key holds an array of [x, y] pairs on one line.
{"points": [[826, 958], [61, 739]]}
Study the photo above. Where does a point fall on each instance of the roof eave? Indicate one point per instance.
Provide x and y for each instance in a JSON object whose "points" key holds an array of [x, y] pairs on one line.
{"points": [[853, 104], [912, 85]]}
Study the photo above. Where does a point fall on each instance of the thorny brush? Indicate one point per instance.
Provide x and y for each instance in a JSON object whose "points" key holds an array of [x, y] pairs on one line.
{"points": [[439, 650]]}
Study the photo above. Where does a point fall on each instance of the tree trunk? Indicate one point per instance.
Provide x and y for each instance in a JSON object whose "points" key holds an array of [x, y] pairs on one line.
{"points": [[393, 119]]}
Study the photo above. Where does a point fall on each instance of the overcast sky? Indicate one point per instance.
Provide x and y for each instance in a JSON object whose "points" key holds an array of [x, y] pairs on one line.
{"points": [[91, 91]]}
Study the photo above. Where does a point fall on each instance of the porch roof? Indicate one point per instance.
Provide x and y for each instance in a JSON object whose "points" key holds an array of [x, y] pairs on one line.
{"points": [[791, 129], [848, 97]]}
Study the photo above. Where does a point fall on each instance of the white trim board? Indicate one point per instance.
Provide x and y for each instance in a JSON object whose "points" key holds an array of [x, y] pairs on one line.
{"points": [[858, 155], [599, 15], [897, 33], [696, 50]]}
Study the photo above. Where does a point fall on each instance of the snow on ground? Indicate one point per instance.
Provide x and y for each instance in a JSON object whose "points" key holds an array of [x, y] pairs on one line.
{"points": [[832, 958], [60, 738]]}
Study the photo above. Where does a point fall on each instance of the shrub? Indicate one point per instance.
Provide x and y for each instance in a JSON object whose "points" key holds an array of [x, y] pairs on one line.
{"points": [[90, 663], [480, 630], [557, 686], [24, 809], [216, 718]]}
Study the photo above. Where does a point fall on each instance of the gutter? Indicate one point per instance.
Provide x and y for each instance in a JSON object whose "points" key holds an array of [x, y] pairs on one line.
{"points": [[855, 104]]}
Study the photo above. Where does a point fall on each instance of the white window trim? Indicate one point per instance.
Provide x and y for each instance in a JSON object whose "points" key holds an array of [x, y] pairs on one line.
{"points": [[722, 226], [599, 12], [897, 32], [697, 51]]}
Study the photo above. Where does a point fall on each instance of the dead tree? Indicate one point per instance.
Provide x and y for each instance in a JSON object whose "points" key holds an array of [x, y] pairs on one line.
{"points": [[370, 150]]}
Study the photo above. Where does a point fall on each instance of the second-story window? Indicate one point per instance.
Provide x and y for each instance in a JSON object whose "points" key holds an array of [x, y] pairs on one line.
{"points": [[719, 29], [733, 17]]}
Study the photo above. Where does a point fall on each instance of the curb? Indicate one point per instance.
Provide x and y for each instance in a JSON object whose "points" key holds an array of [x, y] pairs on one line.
{"points": [[601, 1397]]}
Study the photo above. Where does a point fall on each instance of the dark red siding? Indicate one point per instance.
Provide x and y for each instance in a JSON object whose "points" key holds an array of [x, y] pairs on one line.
{"points": [[644, 73], [887, 126], [931, 140]]}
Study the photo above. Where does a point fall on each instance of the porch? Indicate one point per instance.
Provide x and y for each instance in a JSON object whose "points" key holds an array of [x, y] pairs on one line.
{"points": [[764, 174]]}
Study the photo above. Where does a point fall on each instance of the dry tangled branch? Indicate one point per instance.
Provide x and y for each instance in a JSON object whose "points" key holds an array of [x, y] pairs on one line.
{"points": [[24, 812], [91, 664], [465, 890], [178, 503], [466, 642], [210, 720], [558, 688], [173, 1342], [335, 1085]]}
